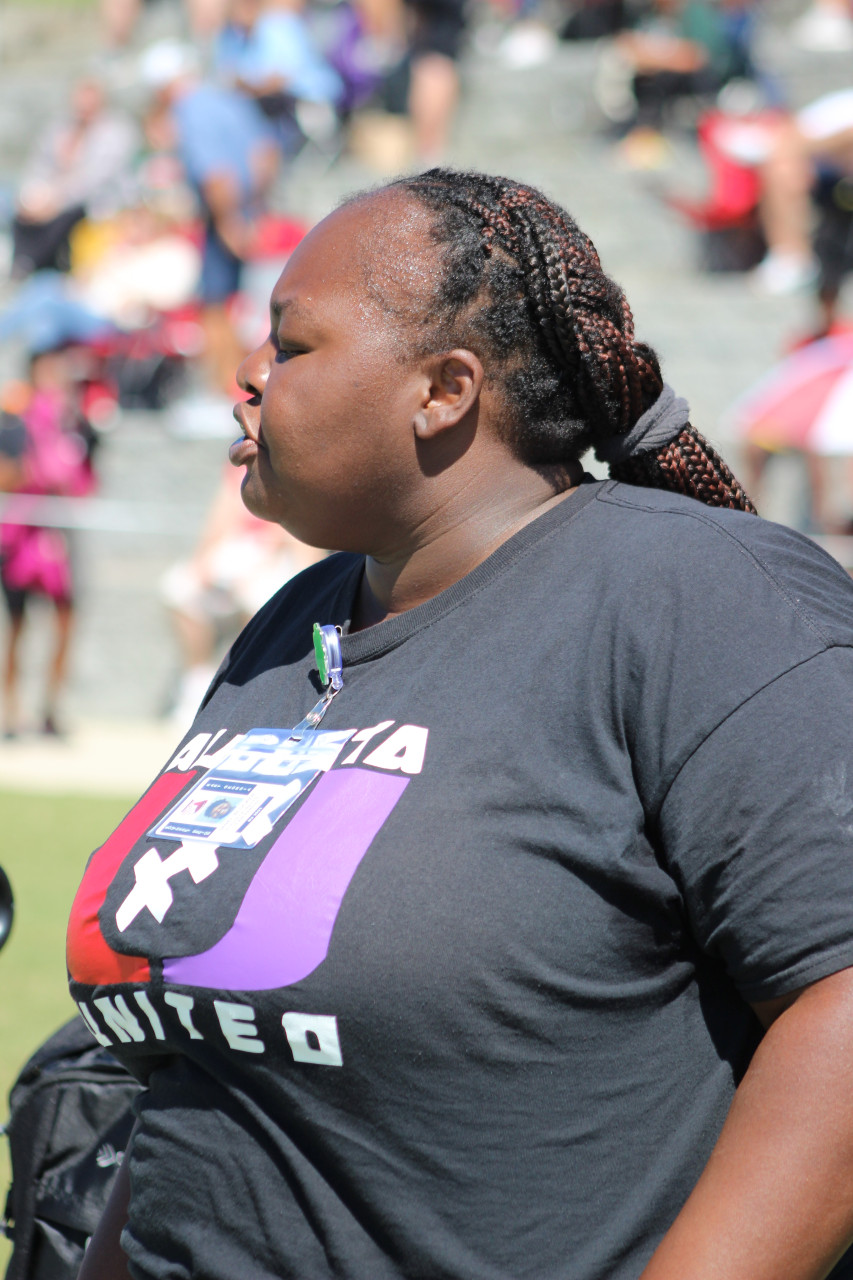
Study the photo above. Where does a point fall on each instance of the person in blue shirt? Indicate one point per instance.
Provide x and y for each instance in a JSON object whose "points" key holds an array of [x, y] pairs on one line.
{"points": [[269, 54], [266, 51], [230, 158]]}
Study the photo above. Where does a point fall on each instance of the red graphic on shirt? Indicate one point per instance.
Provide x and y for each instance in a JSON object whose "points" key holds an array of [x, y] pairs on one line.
{"points": [[88, 956]]}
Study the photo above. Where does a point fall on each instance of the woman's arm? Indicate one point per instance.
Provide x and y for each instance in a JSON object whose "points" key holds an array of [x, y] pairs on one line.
{"points": [[776, 1197], [105, 1259]]}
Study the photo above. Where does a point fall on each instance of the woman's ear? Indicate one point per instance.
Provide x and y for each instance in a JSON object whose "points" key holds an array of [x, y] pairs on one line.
{"points": [[455, 382]]}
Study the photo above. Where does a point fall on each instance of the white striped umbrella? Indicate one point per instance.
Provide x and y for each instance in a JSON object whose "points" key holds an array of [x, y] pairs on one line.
{"points": [[805, 402]]}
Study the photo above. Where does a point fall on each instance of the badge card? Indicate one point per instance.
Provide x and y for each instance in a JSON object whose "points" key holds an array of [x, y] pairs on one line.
{"points": [[237, 803]]}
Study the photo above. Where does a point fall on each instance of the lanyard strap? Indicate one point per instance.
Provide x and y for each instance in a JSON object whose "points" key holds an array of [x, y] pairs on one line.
{"points": [[315, 715]]}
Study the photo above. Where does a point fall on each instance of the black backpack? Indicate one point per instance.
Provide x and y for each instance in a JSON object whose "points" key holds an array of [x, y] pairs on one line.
{"points": [[70, 1119]]}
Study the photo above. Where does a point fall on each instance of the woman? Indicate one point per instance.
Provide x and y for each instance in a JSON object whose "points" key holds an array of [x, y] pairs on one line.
{"points": [[471, 978]]}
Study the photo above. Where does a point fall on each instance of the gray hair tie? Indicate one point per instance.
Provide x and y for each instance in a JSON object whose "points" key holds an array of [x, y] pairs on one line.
{"points": [[661, 423]]}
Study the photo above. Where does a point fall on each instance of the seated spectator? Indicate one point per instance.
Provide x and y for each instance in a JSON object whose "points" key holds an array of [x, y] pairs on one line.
{"points": [[267, 51], [795, 150], [592, 19], [240, 561], [738, 20], [119, 18], [48, 311], [825, 27], [436, 33], [678, 49], [81, 165], [363, 41], [133, 267]]}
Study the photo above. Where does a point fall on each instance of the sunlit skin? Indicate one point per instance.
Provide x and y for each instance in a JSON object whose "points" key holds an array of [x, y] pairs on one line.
{"points": [[354, 443]]}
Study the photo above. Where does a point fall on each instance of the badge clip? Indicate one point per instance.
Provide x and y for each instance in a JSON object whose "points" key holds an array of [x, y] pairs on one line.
{"points": [[327, 651]]}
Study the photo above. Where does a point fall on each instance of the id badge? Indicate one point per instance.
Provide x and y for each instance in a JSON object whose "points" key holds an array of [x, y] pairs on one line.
{"points": [[237, 803]]}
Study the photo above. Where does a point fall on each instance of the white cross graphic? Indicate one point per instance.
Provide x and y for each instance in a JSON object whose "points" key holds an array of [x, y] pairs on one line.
{"points": [[153, 875]]}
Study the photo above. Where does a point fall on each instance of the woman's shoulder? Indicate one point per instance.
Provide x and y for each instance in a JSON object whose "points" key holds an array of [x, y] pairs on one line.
{"points": [[725, 559], [697, 611]]}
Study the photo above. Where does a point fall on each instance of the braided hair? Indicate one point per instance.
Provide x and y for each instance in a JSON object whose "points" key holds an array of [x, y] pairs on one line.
{"points": [[521, 282]]}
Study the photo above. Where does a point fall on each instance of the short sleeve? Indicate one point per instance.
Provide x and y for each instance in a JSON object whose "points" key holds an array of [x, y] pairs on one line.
{"points": [[757, 830]]}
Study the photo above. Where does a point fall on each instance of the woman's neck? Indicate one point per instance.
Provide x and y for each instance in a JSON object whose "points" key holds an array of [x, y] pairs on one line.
{"points": [[454, 541]]}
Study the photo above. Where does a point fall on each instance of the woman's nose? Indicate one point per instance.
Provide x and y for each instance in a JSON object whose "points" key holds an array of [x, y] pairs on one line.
{"points": [[252, 373]]}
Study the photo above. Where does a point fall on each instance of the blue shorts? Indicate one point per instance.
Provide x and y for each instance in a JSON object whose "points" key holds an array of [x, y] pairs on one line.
{"points": [[220, 268]]}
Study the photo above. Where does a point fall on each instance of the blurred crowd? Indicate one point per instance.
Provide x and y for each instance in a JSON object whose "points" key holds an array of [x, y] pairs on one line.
{"points": [[149, 220]]}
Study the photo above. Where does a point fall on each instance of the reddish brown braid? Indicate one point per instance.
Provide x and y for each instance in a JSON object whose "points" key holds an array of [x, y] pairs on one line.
{"points": [[688, 464], [513, 257]]}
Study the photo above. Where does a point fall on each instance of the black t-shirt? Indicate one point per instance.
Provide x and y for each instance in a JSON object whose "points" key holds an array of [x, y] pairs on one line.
{"points": [[458, 987]]}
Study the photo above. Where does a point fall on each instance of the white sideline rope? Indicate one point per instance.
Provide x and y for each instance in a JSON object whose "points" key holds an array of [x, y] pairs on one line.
{"points": [[101, 515]]}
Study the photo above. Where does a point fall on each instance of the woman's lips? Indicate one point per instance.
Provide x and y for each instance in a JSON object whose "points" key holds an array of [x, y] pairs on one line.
{"points": [[242, 450], [246, 446]]}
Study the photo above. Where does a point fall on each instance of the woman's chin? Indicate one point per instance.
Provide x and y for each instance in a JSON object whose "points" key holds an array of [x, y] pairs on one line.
{"points": [[254, 499]]}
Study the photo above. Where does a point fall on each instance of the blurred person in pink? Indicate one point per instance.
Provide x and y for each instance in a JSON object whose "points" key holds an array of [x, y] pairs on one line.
{"points": [[46, 449]]}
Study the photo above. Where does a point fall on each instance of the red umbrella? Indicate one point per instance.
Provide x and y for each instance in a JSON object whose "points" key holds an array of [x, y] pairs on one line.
{"points": [[805, 402]]}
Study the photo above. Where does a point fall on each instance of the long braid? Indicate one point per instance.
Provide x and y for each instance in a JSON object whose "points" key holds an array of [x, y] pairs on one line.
{"points": [[576, 375], [689, 464]]}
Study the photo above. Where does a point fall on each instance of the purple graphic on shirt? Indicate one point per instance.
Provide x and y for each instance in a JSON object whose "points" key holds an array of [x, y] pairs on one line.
{"points": [[285, 922]]}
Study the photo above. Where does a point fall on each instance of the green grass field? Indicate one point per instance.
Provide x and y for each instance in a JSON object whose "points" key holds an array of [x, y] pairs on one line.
{"points": [[51, 4], [45, 843]]}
